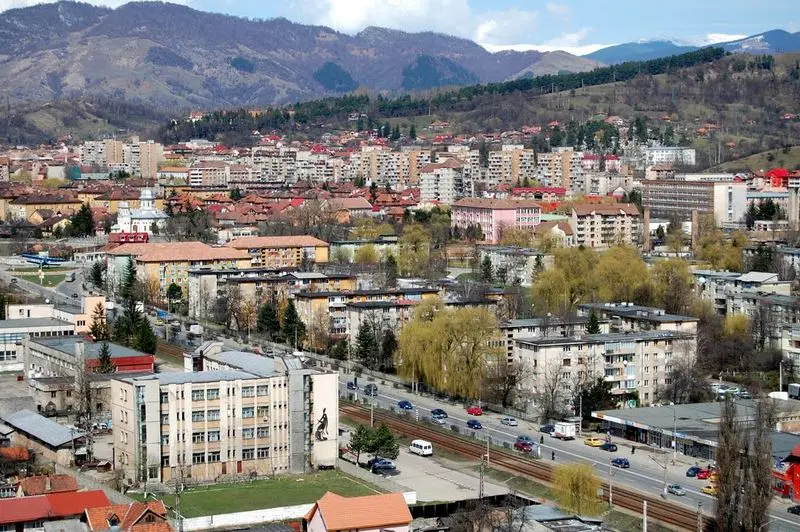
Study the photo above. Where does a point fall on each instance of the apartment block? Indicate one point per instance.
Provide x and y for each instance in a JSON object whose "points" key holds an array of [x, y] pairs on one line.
{"points": [[550, 326], [602, 226], [560, 167], [150, 154], [493, 215], [68, 356], [282, 251], [724, 288], [518, 263], [668, 198], [628, 317], [670, 155], [231, 415], [210, 174], [633, 363], [14, 332], [380, 315], [276, 165], [511, 165], [444, 182]]}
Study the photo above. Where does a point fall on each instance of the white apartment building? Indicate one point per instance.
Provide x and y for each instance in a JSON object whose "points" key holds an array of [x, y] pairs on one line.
{"points": [[93, 153], [669, 155], [727, 201], [470, 158], [276, 165], [230, 415], [513, 330], [511, 165], [519, 263], [210, 173], [633, 362], [724, 289], [629, 317], [602, 226], [444, 182], [381, 315], [560, 167], [13, 334]]}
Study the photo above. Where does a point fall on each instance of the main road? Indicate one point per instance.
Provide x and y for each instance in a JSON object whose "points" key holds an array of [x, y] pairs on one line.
{"points": [[647, 471]]}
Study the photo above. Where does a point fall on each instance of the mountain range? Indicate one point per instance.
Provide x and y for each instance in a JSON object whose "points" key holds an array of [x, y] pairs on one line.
{"points": [[770, 42], [172, 56]]}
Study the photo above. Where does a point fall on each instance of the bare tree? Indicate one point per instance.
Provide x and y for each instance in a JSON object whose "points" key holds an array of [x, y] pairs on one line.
{"points": [[550, 393], [503, 379], [758, 464], [729, 462]]}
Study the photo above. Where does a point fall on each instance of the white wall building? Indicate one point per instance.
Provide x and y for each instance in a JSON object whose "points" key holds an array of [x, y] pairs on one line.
{"points": [[669, 155], [140, 220]]}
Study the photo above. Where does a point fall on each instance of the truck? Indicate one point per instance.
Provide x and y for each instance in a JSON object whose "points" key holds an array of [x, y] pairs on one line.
{"points": [[794, 391], [564, 430]]}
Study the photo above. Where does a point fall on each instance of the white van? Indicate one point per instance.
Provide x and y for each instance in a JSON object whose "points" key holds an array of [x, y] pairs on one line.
{"points": [[421, 447]]}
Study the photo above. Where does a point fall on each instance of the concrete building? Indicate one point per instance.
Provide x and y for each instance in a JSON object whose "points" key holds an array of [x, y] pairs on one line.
{"points": [[79, 316], [629, 317], [674, 155], [512, 330], [210, 173], [726, 201], [603, 226], [560, 167], [14, 332], [150, 154], [724, 288], [282, 251], [66, 356], [230, 415], [383, 244], [519, 264], [494, 215], [380, 315], [633, 362], [444, 182]]}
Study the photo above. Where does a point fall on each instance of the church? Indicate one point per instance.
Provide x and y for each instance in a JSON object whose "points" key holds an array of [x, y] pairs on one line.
{"points": [[140, 220]]}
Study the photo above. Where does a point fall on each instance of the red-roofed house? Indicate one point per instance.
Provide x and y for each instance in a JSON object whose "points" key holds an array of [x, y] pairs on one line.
{"points": [[373, 513], [133, 517], [778, 177], [44, 484], [24, 513]]}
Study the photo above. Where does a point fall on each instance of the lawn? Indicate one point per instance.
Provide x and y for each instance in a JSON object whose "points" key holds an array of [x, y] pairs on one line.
{"points": [[50, 279], [273, 493], [34, 269]]}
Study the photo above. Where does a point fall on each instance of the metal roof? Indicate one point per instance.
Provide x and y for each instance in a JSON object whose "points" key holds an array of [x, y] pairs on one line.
{"points": [[41, 428], [28, 323], [250, 362], [66, 344], [192, 377]]}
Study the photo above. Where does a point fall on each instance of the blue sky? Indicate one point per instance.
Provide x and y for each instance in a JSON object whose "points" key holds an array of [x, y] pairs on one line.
{"points": [[574, 25]]}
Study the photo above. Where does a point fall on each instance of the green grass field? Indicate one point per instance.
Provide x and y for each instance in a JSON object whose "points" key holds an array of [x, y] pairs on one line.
{"points": [[764, 161], [34, 269], [50, 279], [282, 491]]}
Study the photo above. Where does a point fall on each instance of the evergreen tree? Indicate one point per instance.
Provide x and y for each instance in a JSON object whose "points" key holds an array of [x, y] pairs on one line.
{"points": [[128, 280], [412, 133], [360, 124], [395, 133], [236, 194], [486, 269], [367, 346], [99, 327], [293, 329], [97, 274], [82, 222], [146, 339], [174, 293], [104, 358], [593, 327], [373, 192], [391, 270], [388, 347], [132, 329], [267, 322]]}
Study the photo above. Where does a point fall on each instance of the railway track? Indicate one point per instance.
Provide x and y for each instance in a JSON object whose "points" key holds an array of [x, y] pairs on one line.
{"points": [[672, 515]]}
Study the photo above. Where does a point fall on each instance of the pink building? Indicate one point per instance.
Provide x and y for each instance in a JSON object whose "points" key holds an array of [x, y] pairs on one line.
{"points": [[373, 513], [493, 215]]}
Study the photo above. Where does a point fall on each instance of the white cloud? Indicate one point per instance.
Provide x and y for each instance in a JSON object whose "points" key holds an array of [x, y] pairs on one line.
{"points": [[560, 11], [571, 42]]}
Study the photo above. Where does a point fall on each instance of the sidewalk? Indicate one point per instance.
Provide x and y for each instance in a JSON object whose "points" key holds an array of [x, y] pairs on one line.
{"points": [[89, 483]]}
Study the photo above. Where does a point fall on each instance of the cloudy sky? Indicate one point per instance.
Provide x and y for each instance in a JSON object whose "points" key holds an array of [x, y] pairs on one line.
{"points": [[577, 26]]}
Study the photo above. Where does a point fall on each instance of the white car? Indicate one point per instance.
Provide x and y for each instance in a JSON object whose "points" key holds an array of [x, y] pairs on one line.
{"points": [[510, 421], [438, 420]]}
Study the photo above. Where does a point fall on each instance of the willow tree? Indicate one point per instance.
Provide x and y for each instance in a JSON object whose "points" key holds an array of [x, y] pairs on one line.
{"points": [[575, 487]]}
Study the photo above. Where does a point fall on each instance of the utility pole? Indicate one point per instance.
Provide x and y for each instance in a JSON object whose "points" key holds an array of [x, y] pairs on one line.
{"points": [[610, 488], [699, 517], [484, 459], [644, 517], [674, 434], [372, 413]]}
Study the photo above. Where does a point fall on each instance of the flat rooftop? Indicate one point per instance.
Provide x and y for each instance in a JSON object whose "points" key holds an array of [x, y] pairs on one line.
{"points": [[191, 377], [66, 345], [262, 366], [30, 323], [637, 311], [603, 338]]}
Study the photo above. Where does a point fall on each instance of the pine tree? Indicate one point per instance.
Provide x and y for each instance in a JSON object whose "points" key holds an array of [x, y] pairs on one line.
{"points": [[486, 269], [104, 358], [373, 192], [82, 222], [388, 347], [293, 329], [412, 133], [146, 339], [99, 327], [97, 274], [593, 327], [367, 346], [267, 321], [128, 279], [391, 270]]}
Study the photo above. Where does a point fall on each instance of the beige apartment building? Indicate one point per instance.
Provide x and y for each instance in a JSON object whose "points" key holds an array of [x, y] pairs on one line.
{"points": [[602, 226], [150, 154], [209, 174], [230, 415], [560, 167]]}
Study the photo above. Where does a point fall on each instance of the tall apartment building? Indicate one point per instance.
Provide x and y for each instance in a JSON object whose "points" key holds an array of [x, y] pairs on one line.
{"points": [[669, 155], [231, 414], [276, 165], [470, 158], [115, 152], [150, 154], [93, 153], [727, 201], [560, 167], [493, 215], [633, 362], [510, 165], [444, 182], [209, 174], [602, 226], [381, 165]]}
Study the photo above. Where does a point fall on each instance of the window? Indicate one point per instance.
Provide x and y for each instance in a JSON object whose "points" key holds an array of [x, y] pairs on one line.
{"points": [[164, 398], [247, 434], [213, 435], [263, 411], [262, 432], [566, 362], [52, 395], [69, 393], [152, 472], [198, 395], [248, 391], [165, 461], [213, 457], [248, 412], [198, 415], [165, 419], [248, 454], [263, 452], [213, 393], [198, 437], [199, 458], [262, 390], [81, 323], [212, 415], [165, 439]]}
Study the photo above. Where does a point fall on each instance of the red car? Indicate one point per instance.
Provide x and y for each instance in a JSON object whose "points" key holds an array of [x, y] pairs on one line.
{"points": [[703, 474], [523, 446], [475, 411]]}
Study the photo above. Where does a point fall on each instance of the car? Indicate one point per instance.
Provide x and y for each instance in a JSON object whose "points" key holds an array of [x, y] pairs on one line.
{"points": [[159, 321], [703, 474], [382, 465], [794, 510], [475, 411], [352, 385], [405, 405], [474, 424], [13, 281], [693, 471], [374, 460], [438, 413], [525, 439], [610, 447], [548, 429], [438, 420], [709, 490], [622, 463], [371, 390], [593, 442], [676, 489], [744, 394], [522, 446], [510, 421]]}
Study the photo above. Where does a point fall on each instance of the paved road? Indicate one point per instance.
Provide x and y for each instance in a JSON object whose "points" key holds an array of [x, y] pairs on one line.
{"points": [[645, 474]]}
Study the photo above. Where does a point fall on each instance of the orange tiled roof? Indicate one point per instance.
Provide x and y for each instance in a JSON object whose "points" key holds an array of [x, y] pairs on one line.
{"points": [[38, 485], [14, 454], [372, 511], [178, 252], [254, 242], [129, 517]]}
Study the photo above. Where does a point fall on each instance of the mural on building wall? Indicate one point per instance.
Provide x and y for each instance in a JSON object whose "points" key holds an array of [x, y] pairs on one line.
{"points": [[322, 426], [325, 419]]}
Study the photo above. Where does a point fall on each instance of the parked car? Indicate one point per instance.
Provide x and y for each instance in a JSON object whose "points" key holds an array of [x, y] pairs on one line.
{"points": [[676, 489], [475, 411], [351, 385], [744, 394], [371, 390], [610, 447], [709, 490], [547, 429], [525, 439], [593, 442], [523, 446], [794, 510], [622, 463], [438, 413], [510, 421], [474, 424], [693, 471], [382, 466], [374, 460], [703, 474], [438, 420], [405, 405]]}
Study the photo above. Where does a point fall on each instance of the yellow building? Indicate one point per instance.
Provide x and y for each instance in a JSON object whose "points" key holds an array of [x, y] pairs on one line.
{"points": [[111, 199], [160, 264], [282, 251], [23, 207]]}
